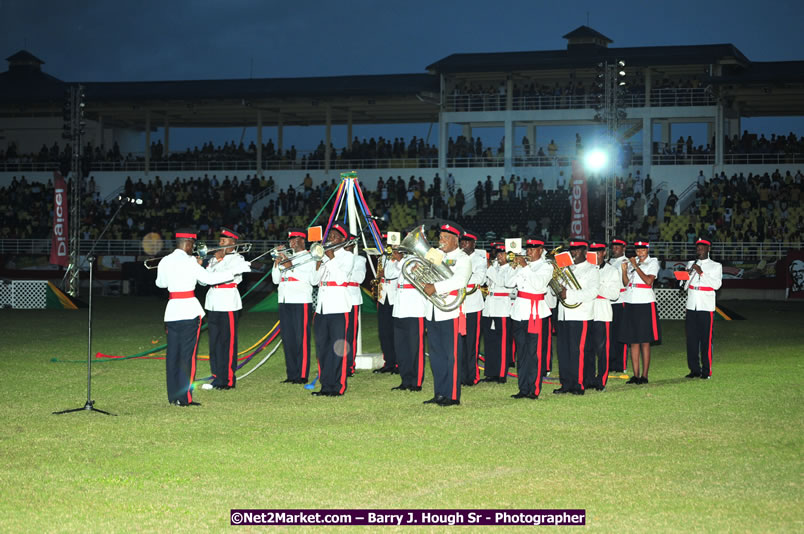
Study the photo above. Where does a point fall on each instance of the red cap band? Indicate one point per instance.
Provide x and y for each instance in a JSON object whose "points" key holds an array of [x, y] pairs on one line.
{"points": [[538, 242], [340, 229], [597, 246], [291, 235], [182, 235], [467, 235], [579, 244], [642, 244], [227, 233], [618, 242], [703, 242], [450, 229]]}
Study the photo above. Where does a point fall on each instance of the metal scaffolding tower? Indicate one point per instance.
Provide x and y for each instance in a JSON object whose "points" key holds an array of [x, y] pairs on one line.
{"points": [[74, 124]]}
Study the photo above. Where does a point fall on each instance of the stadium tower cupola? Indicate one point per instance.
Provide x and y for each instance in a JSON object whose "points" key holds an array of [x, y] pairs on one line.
{"points": [[24, 61], [585, 39]]}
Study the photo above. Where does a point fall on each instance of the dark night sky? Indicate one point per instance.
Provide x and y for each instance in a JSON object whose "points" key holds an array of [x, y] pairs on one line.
{"points": [[95, 40]]}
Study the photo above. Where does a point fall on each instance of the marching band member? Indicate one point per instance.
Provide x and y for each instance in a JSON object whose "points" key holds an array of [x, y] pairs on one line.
{"points": [[295, 288], [497, 334], [573, 323], [386, 298], [530, 275], [355, 293], [472, 306], [445, 328], [547, 339], [706, 277], [618, 362], [179, 272], [332, 313], [596, 368], [641, 324], [223, 307], [410, 308]]}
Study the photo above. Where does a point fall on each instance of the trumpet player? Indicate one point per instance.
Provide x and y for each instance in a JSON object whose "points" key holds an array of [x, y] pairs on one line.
{"points": [[472, 306], [529, 316], [388, 274], [444, 328], [497, 334], [179, 272], [596, 368], [641, 324], [618, 362], [356, 278], [295, 287], [223, 307], [332, 313], [573, 322], [706, 277]]}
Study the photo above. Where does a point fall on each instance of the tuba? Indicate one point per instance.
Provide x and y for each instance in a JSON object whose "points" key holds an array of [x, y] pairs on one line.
{"points": [[562, 277], [419, 271]]}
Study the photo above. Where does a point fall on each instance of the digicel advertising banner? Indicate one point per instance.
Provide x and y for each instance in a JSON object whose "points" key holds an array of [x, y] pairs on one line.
{"points": [[579, 207], [59, 251]]}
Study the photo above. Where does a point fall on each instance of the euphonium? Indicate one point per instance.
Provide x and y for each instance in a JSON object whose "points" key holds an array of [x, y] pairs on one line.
{"points": [[419, 271], [562, 277]]}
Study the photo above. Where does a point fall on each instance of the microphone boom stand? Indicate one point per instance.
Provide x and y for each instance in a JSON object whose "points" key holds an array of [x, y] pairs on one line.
{"points": [[89, 405]]}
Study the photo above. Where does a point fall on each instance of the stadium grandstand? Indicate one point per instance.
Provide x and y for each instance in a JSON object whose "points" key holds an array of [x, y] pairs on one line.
{"points": [[739, 188]]}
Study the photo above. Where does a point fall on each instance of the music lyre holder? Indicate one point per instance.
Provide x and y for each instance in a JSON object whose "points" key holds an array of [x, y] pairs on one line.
{"points": [[90, 404]]}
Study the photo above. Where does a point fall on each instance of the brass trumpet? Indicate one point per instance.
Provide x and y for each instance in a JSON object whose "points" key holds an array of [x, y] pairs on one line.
{"points": [[317, 252], [202, 251]]}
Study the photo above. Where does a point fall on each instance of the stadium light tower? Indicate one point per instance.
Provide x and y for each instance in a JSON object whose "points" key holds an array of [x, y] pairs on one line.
{"points": [[74, 125], [610, 82]]}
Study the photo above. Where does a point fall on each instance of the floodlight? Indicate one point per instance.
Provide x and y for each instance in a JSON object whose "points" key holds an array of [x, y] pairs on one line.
{"points": [[595, 160]]}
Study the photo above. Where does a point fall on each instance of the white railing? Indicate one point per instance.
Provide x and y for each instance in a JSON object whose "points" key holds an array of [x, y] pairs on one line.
{"points": [[38, 166], [658, 98], [728, 159], [659, 249]]}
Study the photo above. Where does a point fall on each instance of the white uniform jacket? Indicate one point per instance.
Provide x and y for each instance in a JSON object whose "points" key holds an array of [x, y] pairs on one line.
{"points": [[617, 264], [295, 285], [498, 301], [226, 298], [409, 302], [179, 273], [461, 272], [474, 302], [636, 293], [356, 278], [391, 275], [611, 280], [701, 287], [331, 278], [530, 280], [588, 277]]}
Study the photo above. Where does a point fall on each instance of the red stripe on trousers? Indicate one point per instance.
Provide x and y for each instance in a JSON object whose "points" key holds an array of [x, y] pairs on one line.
{"points": [[539, 364], [420, 340], [625, 347], [653, 319], [504, 359], [549, 341], [304, 344], [354, 339], [711, 324], [608, 347], [477, 348], [455, 359], [345, 355], [192, 367], [229, 371], [580, 355]]}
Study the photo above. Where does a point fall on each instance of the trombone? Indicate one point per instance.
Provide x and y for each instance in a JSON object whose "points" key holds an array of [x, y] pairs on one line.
{"points": [[316, 253], [202, 251]]}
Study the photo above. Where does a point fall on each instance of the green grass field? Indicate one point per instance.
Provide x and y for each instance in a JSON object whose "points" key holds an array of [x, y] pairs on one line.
{"points": [[674, 455]]}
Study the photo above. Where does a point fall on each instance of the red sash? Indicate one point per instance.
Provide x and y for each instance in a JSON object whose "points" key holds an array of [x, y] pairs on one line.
{"points": [[534, 323], [182, 294], [641, 286], [230, 285], [702, 288]]}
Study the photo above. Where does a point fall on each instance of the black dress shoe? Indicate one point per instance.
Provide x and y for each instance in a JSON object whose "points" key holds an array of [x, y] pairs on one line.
{"points": [[560, 391], [184, 404], [705, 377], [448, 402], [643, 380], [634, 380], [300, 381], [518, 395], [693, 374], [414, 388], [435, 400], [531, 396], [223, 387], [577, 392], [401, 387], [319, 393], [600, 388], [383, 370], [287, 381]]}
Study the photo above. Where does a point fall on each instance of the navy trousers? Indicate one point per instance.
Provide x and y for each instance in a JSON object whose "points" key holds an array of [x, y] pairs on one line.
{"points": [[385, 329], [445, 357], [409, 349], [180, 362], [295, 321], [699, 326], [529, 357], [331, 347], [573, 346]]}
